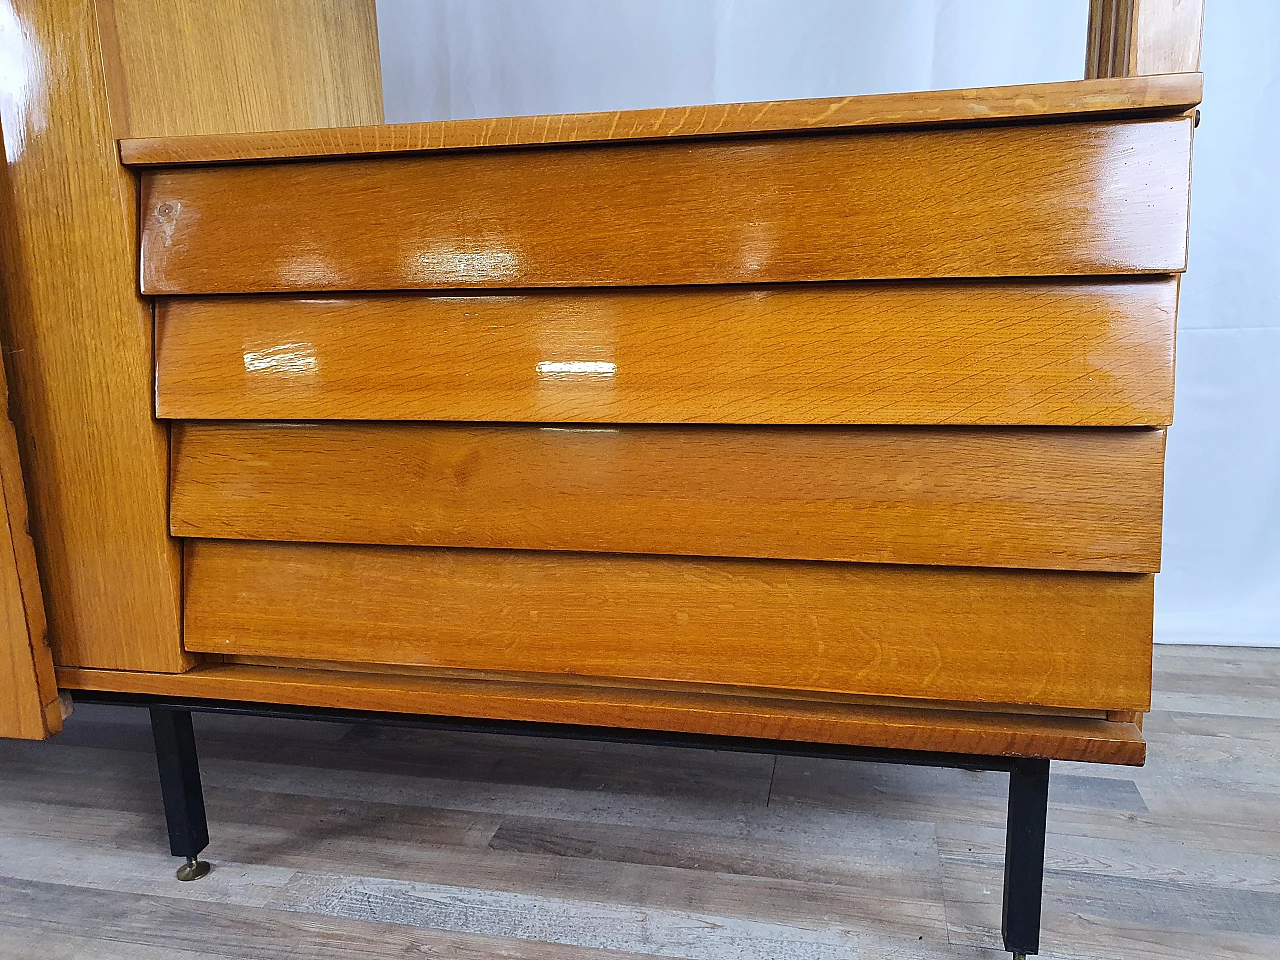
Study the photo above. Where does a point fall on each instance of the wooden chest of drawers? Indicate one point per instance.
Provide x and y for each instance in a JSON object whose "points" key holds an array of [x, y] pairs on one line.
{"points": [[830, 428], [682, 421]]}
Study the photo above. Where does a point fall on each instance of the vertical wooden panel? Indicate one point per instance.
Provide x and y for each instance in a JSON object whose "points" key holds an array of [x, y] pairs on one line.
{"points": [[96, 459], [239, 66], [1110, 34], [28, 693], [1133, 38], [1168, 37]]}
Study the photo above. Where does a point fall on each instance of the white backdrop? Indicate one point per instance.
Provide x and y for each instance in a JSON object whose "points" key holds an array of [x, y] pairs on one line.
{"points": [[444, 59]]}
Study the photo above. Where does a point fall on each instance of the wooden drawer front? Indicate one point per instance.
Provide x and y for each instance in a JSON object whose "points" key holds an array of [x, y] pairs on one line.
{"points": [[1079, 640], [1012, 352], [1042, 200], [1044, 498]]}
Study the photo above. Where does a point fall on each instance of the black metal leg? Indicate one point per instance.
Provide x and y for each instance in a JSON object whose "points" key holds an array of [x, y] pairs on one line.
{"points": [[180, 786], [1024, 856]]}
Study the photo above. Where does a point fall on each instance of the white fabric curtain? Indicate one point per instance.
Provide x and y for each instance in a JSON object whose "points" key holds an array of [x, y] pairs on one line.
{"points": [[445, 59]]}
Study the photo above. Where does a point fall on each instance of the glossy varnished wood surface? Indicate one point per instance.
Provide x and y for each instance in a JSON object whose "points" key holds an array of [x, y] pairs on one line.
{"points": [[345, 840], [1030, 352], [1052, 199], [1051, 638], [1137, 97], [29, 705], [1051, 499], [239, 66], [672, 709], [96, 461]]}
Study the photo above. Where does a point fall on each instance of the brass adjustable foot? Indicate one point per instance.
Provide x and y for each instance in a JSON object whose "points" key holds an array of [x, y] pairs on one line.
{"points": [[193, 869]]}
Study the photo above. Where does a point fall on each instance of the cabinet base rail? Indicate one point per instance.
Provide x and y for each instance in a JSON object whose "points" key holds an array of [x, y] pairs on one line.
{"points": [[183, 795]]}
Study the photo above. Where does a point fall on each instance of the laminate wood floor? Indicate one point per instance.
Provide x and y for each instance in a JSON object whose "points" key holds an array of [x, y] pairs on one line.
{"points": [[335, 841]]}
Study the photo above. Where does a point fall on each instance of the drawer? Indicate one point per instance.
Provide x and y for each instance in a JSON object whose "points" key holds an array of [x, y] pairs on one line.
{"points": [[1087, 499], [1039, 352], [1055, 199], [1060, 639]]}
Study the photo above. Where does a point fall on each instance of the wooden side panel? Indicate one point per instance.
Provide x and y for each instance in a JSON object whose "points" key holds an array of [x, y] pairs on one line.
{"points": [[29, 706], [96, 460], [1112, 35], [82, 361], [1055, 199], [1131, 98], [675, 709], [1030, 352], [238, 66], [1133, 38], [1056, 639], [1050, 499], [28, 695], [1168, 36]]}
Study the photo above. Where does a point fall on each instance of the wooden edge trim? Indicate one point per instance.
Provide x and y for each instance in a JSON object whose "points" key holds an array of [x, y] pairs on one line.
{"points": [[1127, 716], [17, 553], [1132, 97], [903, 728], [31, 644], [580, 680]]}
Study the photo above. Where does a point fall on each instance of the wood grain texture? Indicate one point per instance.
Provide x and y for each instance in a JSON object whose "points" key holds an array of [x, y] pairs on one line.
{"points": [[1050, 499], [1053, 199], [1169, 33], [1112, 39], [82, 366], [96, 460], [1032, 352], [29, 705], [1137, 97], [1133, 38], [567, 679], [1055, 639], [908, 728], [239, 66]]}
